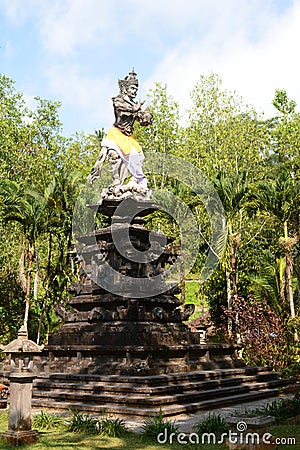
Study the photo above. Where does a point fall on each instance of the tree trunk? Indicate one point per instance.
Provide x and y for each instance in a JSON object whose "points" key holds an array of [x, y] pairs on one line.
{"points": [[183, 293], [229, 301], [22, 272], [37, 277], [202, 296], [282, 289], [288, 271], [297, 272], [47, 290], [27, 299], [38, 337], [288, 260], [233, 271]]}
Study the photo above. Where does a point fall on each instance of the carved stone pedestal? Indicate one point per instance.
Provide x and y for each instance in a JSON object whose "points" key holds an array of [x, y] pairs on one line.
{"points": [[18, 438], [19, 423], [123, 317], [250, 432]]}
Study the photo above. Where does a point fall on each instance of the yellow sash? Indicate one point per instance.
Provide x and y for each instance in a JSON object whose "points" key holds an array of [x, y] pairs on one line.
{"points": [[125, 143]]}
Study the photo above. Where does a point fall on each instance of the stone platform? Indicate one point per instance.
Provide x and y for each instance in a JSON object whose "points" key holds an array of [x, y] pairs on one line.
{"points": [[127, 352], [141, 396]]}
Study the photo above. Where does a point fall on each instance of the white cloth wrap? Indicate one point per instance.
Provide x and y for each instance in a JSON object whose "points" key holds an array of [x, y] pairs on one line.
{"points": [[133, 161]]}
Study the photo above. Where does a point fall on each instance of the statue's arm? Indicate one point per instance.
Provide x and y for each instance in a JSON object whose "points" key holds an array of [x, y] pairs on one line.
{"points": [[145, 117], [125, 107]]}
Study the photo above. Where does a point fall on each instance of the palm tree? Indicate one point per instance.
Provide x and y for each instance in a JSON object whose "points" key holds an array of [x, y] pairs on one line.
{"points": [[60, 195], [233, 191], [280, 198], [29, 212], [270, 284]]}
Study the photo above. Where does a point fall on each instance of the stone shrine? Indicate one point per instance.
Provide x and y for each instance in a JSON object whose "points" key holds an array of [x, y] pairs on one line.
{"points": [[123, 347], [109, 333]]}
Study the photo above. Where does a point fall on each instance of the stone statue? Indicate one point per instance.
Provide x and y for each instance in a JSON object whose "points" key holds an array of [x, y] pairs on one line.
{"points": [[119, 146]]}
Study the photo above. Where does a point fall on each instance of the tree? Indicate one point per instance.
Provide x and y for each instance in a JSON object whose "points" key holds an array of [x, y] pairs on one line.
{"points": [[280, 198], [285, 133], [233, 194], [29, 212], [224, 134]]}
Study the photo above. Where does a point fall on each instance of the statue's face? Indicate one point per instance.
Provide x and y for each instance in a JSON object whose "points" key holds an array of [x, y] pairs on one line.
{"points": [[132, 91]]}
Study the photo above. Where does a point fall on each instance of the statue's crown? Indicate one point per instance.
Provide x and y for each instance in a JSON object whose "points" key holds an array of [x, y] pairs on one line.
{"points": [[128, 80]]}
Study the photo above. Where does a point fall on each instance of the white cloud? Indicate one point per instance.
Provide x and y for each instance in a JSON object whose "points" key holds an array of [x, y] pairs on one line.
{"points": [[8, 49], [252, 64], [86, 94], [72, 23], [63, 25], [16, 10], [85, 45]]}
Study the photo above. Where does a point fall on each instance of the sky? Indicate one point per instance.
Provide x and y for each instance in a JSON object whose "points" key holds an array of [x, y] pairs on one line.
{"points": [[74, 51]]}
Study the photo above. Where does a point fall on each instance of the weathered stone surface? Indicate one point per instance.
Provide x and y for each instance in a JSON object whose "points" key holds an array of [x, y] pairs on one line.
{"points": [[112, 334], [18, 438], [20, 401]]}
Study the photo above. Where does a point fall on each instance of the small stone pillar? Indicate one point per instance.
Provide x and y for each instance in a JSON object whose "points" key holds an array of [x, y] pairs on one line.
{"points": [[250, 432], [19, 423], [21, 379]]}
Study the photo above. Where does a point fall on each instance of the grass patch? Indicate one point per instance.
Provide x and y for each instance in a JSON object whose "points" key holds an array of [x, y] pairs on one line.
{"points": [[54, 439], [213, 423], [47, 421], [281, 409], [103, 426], [193, 295], [82, 423], [155, 425]]}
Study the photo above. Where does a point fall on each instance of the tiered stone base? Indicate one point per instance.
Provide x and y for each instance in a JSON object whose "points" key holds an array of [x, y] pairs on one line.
{"points": [[143, 396], [18, 438], [139, 360]]}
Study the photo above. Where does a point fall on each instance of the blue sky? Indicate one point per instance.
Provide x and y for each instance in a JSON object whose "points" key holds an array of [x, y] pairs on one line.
{"points": [[74, 51]]}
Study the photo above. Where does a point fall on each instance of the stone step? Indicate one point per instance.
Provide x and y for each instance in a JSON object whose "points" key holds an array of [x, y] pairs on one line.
{"points": [[137, 400], [142, 412], [157, 380], [123, 388]]}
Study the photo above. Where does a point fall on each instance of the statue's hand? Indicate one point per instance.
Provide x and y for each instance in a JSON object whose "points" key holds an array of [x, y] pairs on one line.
{"points": [[145, 117], [140, 104]]}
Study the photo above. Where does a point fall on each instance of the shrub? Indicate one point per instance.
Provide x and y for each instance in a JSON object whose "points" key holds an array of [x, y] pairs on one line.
{"points": [[111, 427], [293, 372], [268, 340], [105, 426], [83, 423], [283, 408], [213, 423], [46, 420], [157, 424]]}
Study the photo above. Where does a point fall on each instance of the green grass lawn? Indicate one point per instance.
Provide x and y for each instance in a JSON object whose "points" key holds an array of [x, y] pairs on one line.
{"points": [[192, 295], [61, 439]]}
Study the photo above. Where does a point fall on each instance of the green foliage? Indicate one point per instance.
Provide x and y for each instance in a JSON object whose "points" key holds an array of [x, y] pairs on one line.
{"points": [[112, 427], [83, 423], [213, 423], [254, 165], [164, 135], [269, 284], [104, 426], [282, 103], [157, 424], [282, 408], [293, 372], [267, 339], [223, 133], [47, 421]]}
